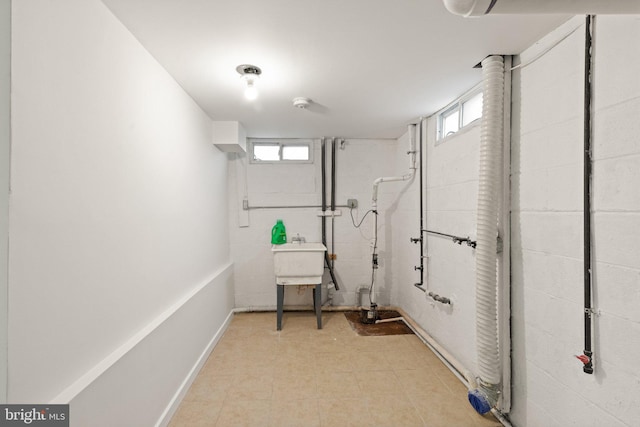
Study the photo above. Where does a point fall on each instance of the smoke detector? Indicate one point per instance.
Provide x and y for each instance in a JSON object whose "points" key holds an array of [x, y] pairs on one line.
{"points": [[301, 102]]}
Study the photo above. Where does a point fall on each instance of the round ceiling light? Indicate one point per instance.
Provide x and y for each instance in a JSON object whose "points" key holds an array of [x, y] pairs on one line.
{"points": [[250, 74]]}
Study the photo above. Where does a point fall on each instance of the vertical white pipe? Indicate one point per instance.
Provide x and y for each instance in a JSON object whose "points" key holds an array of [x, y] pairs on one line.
{"points": [[489, 201], [374, 200]]}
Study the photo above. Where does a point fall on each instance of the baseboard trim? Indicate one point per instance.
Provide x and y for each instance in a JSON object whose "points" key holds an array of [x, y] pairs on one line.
{"points": [[173, 405], [68, 394]]}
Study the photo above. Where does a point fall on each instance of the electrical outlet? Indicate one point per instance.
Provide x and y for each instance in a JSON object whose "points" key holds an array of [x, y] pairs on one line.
{"points": [[352, 203]]}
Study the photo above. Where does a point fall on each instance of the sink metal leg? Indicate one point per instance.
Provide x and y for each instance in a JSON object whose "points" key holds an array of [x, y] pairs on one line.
{"points": [[317, 304], [280, 304]]}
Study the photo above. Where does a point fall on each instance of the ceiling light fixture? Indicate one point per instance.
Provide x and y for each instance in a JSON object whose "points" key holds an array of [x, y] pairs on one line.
{"points": [[249, 73]]}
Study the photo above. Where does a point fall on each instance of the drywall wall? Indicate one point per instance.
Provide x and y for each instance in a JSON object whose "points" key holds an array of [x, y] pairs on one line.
{"points": [[550, 388], [5, 153], [161, 361], [358, 163], [118, 214]]}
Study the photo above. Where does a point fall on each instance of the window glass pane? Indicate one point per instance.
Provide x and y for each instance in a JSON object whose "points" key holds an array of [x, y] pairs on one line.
{"points": [[472, 109], [295, 152], [267, 153], [450, 123]]}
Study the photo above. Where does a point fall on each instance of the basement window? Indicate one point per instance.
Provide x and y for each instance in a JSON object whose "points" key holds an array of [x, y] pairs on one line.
{"points": [[281, 151], [463, 112]]}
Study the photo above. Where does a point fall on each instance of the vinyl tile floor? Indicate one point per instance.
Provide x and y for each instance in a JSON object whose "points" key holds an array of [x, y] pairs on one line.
{"points": [[305, 377]]}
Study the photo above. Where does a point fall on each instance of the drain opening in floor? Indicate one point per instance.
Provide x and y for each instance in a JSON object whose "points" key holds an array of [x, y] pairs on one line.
{"points": [[397, 327]]}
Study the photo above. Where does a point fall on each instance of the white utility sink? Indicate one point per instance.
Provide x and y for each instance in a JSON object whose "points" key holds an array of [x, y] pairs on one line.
{"points": [[298, 263]]}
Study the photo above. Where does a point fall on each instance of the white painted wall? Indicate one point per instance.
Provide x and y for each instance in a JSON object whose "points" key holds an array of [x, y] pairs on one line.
{"points": [[118, 229], [549, 386], [451, 185], [357, 165], [5, 152]]}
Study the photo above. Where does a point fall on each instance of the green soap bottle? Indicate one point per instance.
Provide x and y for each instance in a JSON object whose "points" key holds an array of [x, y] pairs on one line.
{"points": [[278, 233]]}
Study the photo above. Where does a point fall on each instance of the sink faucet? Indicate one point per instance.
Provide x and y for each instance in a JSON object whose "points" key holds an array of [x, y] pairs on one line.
{"points": [[298, 239]]}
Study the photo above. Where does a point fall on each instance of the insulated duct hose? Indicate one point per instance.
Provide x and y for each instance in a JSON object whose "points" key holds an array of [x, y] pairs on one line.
{"points": [[489, 193]]}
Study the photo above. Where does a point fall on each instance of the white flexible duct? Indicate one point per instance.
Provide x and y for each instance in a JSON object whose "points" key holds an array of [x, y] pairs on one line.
{"points": [[512, 7], [374, 199], [489, 194]]}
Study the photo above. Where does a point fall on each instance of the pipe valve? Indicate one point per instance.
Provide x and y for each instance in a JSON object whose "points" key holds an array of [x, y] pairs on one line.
{"points": [[415, 239], [583, 358], [587, 360]]}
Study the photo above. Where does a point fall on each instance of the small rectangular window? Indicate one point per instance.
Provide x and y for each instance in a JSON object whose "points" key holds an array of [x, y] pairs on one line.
{"points": [[472, 109], [281, 151], [461, 113], [450, 122], [295, 152], [266, 152]]}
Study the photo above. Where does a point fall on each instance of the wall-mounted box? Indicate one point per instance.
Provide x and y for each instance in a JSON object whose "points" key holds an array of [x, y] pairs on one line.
{"points": [[229, 136]]}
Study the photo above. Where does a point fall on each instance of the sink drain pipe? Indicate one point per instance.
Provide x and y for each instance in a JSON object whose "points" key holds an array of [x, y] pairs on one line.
{"points": [[371, 315], [486, 395], [323, 167]]}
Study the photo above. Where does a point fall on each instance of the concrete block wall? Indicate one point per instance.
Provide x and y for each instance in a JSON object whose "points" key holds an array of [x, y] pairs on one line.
{"points": [[550, 388], [358, 164], [405, 225], [451, 185]]}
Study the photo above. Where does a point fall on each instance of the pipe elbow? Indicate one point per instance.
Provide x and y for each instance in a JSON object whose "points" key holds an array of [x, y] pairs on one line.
{"points": [[374, 194]]}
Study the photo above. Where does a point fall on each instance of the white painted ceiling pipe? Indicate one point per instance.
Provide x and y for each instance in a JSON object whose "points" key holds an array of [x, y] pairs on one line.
{"points": [[520, 7]]}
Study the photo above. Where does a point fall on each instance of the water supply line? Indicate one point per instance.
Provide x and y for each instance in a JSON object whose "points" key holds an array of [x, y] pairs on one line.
{"points": [[486, 395], [435, 297], [455, 239], [587, 356], [420, 239], [333, 200], [371, 315]]}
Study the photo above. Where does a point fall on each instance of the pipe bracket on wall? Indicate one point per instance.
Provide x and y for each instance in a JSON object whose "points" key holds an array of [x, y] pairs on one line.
{"points": [[337, 212]]}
